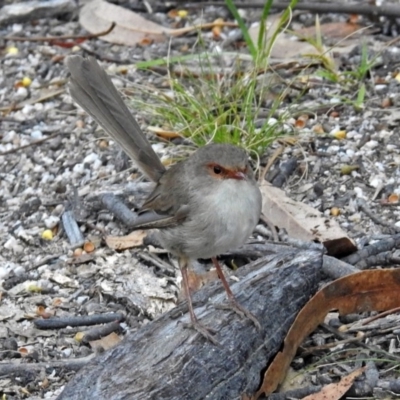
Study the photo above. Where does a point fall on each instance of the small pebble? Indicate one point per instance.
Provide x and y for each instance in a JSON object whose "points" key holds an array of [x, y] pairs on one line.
{"points": [[51, 222], [372, 144], [13, 245], [36, 135], [92, 157]]}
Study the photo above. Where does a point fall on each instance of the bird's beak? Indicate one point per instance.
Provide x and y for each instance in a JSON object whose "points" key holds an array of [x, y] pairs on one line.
{"points": [[239, 175]]}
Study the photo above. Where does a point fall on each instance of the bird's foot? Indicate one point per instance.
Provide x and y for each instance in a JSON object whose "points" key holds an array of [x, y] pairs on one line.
{"points": [[233, 305], [207, 333]]}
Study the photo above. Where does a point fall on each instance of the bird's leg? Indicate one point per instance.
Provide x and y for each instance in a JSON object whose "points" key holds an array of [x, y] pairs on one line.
{"points": [[195, 324], [234, 305]]}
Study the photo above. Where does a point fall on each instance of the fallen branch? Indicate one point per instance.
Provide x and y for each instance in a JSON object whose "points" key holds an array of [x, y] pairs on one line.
{"points": [[83, 320], [166, 360]]}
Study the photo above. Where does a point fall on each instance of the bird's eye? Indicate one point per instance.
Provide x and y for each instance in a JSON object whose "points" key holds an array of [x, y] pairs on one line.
{"points": [[217, 169]]}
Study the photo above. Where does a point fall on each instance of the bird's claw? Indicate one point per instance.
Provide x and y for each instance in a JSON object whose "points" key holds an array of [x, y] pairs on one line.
{"points": [[207, 333], [234, 306]]}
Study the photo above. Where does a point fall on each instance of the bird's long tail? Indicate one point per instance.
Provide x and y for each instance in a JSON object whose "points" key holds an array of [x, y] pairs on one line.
{"points": [[94, 91]]}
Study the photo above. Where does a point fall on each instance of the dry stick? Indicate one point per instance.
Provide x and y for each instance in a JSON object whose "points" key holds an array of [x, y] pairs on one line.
{"points": [[362, 204], [343, 336], [271, 160], [13, 107], [63, 37], [381, 246], [100, 331], [384, 10], [271, 227], [380, 315], [299, 393], [29, 145], [71, 365], [83, 320], [307, 351], [156, 261]]}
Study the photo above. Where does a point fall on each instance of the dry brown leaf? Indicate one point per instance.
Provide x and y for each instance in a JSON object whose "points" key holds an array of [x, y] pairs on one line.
{"points": [[130, 28], [334, 391], [134, 239], [197, 280], [168, 135], [105, 342], [365, 291], [285, 46], [334, 30], [304, 222]]}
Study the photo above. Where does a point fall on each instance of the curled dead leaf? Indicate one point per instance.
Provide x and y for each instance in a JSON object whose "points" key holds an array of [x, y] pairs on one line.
{"points": [[335, 391], [377, 290]]}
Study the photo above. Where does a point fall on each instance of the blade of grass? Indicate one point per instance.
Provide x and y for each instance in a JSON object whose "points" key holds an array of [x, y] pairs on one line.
{"points": [[242, 25]]}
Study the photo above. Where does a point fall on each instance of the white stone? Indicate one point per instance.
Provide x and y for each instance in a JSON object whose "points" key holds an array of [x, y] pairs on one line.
{"points": [[375, 181], [90, 158], [79, 168], [36, 134], [359, 192], [13, 245], [372, 144], [356, 217], [9, 136], [350, 152], [51, 221]]}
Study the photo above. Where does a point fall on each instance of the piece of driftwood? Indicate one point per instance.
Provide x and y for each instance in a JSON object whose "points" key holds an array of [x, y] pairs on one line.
{"points": [[166, 360]]}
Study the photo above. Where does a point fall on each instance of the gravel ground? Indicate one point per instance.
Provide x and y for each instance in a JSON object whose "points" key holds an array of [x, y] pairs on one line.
{"points": [[53, 159]]}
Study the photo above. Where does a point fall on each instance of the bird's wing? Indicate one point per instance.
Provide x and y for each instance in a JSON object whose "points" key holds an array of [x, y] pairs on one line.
{"points": [[168, 204]]}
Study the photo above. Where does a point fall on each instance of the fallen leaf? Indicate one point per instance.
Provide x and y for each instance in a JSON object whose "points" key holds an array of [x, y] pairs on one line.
{"points": [[134, 239], [289, 47], [304, 222], [105, 342], [366, 291], [130, 29], [285, 46], [198, 280], [334, 391], [164, 133], [333, 30]]}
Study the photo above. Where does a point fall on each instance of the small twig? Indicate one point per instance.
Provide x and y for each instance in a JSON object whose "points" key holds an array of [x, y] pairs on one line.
{"points": [[381, 315], [295, 393], [384, 246], [119, 209], [47, 96], [105, 57], [62, 37], [43, 261], [362, 204], [156, 261], [30, 144], [83, 320], [101, 331], [271, 227], [72, 230], [374, 349], [271, 160], [71, 365]]}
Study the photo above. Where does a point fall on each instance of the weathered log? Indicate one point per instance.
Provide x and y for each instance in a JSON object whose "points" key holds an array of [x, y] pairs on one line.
{"points": [[165, 360]]}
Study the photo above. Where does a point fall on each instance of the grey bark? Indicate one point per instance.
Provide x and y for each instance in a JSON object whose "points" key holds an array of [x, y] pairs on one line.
{"points": [[165, 360]]}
